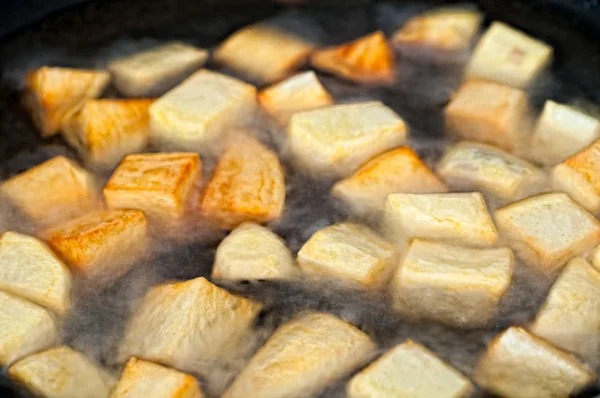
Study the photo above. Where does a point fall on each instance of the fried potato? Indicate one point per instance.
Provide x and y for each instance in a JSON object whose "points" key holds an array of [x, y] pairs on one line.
{"points": [[62, 372], [301, 92], [562, 131], [455, 285], [106, 130], [102, 245], [397, 171], [518, 364], [30, 270], [247, 185], [142, 379], [509, 56], [152, 72], [24, 328], [368, 59], [53, 192], [548, 230], [472, 166], [338, 139], [490, 113], [52, 95], [197, 114], [460, 218], [253, 252], [350, 252], [409, 370], [302, 357]]}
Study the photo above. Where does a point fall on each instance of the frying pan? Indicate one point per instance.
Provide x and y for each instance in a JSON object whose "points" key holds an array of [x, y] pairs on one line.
{"points": [[35, 32]]}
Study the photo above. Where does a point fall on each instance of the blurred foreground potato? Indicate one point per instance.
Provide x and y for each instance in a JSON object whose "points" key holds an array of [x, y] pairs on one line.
{"points": [[351, 252], [152, 72], [518, 364], [142, 379], [53, 192], [302, 357], [409, 370], [30, 270], [548, 230], [62, 372], [52, 95]]}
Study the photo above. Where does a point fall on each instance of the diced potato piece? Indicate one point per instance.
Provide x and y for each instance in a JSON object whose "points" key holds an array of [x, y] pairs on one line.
{"points": [[30, 270], [397, 171], [518, 364], [62, 372], [106, 130], [24, 328], [338, 139], [301, 92], [192, 326], [460, 218], [547, 230], [489, 112], [570, 317], [52, 95], [302, 357], [159, 184], [508, 56], [595, 258], [101, 245], [368, 59], [253, 252], [247, 185], [53, 192], [562, 131], [197, 114], [152, 72], [455, 285], [409, 370], [350, 252], [142, 379], [473, 166]]}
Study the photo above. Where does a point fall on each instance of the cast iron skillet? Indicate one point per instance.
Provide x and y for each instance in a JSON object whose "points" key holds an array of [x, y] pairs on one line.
{"points": [[87, 34]]}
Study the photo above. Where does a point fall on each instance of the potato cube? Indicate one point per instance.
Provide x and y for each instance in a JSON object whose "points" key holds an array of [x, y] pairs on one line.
{"points": [[62, 372], [350, 252], [302, 357], [263, 53], [397, 171], [562, 131], [142, 379], [192, 326], [460, 218], [253, 252], [518, 364], [53, 192], [508, 56], [548, 230], [159, 184], [368, 59], [152, 72], [472, 166], [489, 112], [409, 370], [24, 328], [338, 139], [106, 130], [101, 245], [455, 285], [197, 114], [247, 185], [301, 92], [30, 270], [53, 95]]}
